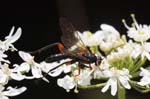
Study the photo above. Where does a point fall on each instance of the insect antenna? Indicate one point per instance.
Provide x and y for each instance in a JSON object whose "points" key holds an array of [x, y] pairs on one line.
{"points": [[38, 51]]}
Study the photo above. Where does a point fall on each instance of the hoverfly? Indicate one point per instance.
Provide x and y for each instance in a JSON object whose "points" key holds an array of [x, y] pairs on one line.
{"points": [[71, 47]]}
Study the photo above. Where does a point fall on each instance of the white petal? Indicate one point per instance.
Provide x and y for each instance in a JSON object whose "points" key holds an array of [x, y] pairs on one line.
{"points": [[1, 88], [144, 81], [147, 55], [36, 72], [11, 32], [113, 86], [15, 37], [46, 80], [13, 91], [67, 68], [3, 97], [56, 72], [124, 82], [25, 56], [67, 82], [60, 82], [106, 87], [3, 78], [29, 77], [24, 67], [144, 72], [110, 28], [17, 76]]}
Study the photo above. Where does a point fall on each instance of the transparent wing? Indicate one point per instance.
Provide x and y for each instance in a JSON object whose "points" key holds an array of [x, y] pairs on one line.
{"points": [[71, 40]]}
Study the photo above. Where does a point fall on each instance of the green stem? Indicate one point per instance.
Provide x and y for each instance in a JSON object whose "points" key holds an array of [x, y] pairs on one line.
{"points": [[121, 92], [91, 86]]}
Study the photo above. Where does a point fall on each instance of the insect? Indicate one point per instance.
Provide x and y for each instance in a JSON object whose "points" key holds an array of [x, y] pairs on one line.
{"points": [[71, 47]]}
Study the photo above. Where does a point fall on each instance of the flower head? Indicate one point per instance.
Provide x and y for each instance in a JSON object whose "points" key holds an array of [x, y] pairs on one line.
{"points": [[6, 73], [30, 63], [110, 38], [145, 80], [67, 82], [138, 32], [114, 76]]}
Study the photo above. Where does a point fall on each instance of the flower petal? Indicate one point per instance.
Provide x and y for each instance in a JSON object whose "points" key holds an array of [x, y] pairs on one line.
{"points": [[56, 72], [3, 78], [24, 67], [67, 68], [15, 37], [11, 32], [124, 82], [36, 72], [25, 56], [113, 86], [106, 87], [3, 97], [14, 91], [17, 76], [67, 82]]}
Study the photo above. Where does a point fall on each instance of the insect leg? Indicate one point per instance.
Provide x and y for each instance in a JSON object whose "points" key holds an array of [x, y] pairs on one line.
{"points": [[68, 62], [56, 57], [81, 66]]}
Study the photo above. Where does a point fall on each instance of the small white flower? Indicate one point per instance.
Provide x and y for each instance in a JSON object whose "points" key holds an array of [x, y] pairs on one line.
{"points": [[114, 75], [67, 82], [90, 39], [98, 70], [30, 63], [9, 92], [6, 73], [143, 50], [145, 80], [84, 78], [10, 39], [110, 38], [138, 32]]}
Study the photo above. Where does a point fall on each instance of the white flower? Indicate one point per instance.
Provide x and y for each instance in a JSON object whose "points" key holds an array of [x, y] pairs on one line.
{"points": [[9, 92], [84, 78], [138, 32], [90, 39], [143, 50], [46, 67], [114, 75], [6, 73], [110, 39], [7, 43], [145, 77], [2, 56], [67, 82], [30, 63]]}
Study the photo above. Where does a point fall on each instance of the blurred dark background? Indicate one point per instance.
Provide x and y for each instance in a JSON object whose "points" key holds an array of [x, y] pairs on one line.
{"points": [[39, 21]]}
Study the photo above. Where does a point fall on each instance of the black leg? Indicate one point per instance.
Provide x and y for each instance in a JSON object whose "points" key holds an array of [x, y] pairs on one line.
{"points": [[56, 57], [68, 62]]}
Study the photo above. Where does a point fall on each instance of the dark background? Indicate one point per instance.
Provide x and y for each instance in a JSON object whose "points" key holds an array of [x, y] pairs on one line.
{"points": [[40, 25]]}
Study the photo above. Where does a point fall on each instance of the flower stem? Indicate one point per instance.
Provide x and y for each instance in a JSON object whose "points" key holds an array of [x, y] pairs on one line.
{"points": [[121, 92], [91, 86]]}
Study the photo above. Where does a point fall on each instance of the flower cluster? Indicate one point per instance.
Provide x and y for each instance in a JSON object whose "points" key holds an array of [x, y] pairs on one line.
{"points": [[9, 71], [120, 62]]}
